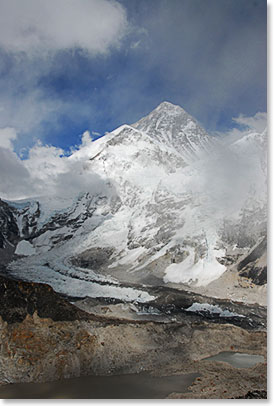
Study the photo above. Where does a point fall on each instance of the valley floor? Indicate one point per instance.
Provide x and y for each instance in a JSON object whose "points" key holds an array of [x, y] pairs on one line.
{"points": [[46, 338]]}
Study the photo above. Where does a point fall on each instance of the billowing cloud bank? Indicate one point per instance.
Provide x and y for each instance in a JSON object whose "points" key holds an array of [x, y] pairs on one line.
{"points": [[47, 171]]}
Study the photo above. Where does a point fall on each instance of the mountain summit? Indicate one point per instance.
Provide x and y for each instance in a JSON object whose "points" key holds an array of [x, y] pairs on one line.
{"points": [[172, 125]]}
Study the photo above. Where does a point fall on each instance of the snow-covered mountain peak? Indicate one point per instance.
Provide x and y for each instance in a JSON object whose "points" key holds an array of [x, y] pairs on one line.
{"points": [[173, 126], [169, 107], [167, 133], [164, 116]]}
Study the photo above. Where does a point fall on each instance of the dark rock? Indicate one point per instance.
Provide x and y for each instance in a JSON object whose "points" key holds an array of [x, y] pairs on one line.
{"points": [[17, 299], [256, 394], [93, 258], [250, 266], [9, 232]]}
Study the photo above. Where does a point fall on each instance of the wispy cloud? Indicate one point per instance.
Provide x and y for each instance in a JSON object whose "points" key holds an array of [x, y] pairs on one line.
{"points": [[7, 136], [257, 122], [14, 181]]}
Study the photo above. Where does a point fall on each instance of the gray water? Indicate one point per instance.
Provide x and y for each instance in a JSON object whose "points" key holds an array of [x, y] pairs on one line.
{"points": [[237, 359], [133, 386]]}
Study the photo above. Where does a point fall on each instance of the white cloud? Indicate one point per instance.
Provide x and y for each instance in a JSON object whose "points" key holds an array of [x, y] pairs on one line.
{"points": [[237, 167], [86, 139], [257, 122], [95, 133], [43, 25], [48, 172], [7, 136], [14, 180], [45, 163]]}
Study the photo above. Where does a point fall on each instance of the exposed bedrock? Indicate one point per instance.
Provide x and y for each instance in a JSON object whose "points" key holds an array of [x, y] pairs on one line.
{"points": [[254, 265]]}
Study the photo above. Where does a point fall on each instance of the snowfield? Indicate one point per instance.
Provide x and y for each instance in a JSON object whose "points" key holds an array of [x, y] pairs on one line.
{"points": [[204, 271]]}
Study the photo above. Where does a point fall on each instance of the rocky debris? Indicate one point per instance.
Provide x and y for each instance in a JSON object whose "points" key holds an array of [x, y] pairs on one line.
{"points": [[220, 381], [19, 299], [256, 394], [256, 274], [49, 339], [39, 349], [176, 303], [93, 258], [173, 304]]}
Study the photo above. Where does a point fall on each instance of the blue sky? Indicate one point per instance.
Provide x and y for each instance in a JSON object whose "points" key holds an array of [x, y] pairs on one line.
{"points": [[67, 66]]}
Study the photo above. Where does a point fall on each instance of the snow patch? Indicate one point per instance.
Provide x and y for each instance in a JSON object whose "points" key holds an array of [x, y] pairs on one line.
{"points": [[201, 273], [25, 248], [213, 309], [81, 288]]}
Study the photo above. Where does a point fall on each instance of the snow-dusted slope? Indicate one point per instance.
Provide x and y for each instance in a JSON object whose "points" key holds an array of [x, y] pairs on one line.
{"points": [[157, 217]]}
